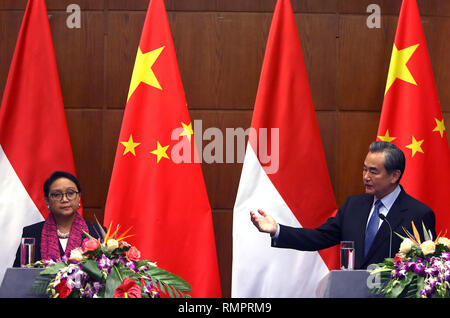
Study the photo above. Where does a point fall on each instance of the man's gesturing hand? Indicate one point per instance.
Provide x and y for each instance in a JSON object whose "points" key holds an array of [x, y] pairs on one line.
{"points": [[264, 223]]}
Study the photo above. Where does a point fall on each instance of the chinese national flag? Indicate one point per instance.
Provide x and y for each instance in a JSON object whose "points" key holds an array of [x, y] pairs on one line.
{"points": [[34, 139], [155, 187], [292, 185], [412, 119]]}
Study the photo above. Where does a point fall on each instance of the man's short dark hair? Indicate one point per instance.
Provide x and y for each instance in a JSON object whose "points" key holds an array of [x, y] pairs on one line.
{"points": [[57, 175], [394, 158]]}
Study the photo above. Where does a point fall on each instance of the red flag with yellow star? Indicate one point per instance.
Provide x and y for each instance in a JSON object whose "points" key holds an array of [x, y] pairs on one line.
{"points": [[156, 188], [412, 119]]}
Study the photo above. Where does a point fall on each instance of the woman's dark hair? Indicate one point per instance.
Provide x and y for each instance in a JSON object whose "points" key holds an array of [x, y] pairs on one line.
{"points": [[57, 175]]}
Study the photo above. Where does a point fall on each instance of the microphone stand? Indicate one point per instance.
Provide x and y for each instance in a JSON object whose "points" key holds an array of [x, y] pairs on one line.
{"points": [[382, 217]]}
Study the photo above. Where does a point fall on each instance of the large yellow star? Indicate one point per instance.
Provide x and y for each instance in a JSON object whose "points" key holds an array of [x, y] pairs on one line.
{"points": [[160, 152], [143, 72], [130, 146], [398, 68], [440, 126], [386, 137], [187, 130], [415, 146]]}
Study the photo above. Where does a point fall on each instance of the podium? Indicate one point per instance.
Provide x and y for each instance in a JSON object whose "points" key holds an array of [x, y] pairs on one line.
{"points": [[336, 284], [345, 284], [17, 283]]}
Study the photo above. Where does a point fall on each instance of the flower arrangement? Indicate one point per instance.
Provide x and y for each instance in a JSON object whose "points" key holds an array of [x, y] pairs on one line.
{"points": [[110, 268], [419, 269]]}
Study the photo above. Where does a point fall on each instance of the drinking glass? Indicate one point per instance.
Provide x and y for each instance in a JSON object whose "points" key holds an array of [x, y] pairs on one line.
{"points": [[347, 255], [26, 251]]}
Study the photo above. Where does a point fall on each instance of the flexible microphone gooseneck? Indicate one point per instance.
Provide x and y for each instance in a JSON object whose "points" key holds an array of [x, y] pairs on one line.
{"points": [[383, 217]]}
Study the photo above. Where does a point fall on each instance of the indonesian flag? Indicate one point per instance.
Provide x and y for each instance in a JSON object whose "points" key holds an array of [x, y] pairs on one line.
{"points": [[34, 140], [411, 117], [157, 186], [284, 173]]}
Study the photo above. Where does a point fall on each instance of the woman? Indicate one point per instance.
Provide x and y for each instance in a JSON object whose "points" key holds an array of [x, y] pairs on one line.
{"points": [[62, 231]]}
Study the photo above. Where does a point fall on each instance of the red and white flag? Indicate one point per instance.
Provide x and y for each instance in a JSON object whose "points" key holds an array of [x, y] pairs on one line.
{"points": [[284, 174], [34, 140], [155, 189]]}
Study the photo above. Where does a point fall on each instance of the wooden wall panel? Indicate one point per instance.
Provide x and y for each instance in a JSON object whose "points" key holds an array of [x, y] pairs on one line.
{"points": [[79, 55], [316, 6], [176, 5], [54, 4], [220, 47], [364, 56], [221, 179], [86, 134], [392, 7], [328, 128], [227, 5], [223, 228], [112, 121], [356, 130], [227, 49], [318, 37]]}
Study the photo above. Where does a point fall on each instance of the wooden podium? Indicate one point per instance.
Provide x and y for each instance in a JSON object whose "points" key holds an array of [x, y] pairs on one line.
{"points": [[17, 283]]}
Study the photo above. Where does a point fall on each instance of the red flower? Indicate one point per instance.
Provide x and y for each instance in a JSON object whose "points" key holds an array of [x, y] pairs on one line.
{"points": [[133, 254], [91, 245], [63, 289], [123, 243], [398, 257], [128, 289]]}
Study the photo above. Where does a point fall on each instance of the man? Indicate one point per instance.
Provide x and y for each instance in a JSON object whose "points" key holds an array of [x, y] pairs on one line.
{"points": [[358, 220]]}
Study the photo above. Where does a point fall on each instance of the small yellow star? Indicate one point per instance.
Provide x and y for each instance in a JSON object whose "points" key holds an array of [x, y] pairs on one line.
{"points": [[440, 126], [142, 71], [187, 130], [160, 152], [386, 137], [415, 146], [130, 146], [398, 68]]}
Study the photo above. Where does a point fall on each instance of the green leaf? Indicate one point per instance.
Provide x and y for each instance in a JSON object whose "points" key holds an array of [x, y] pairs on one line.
{"points": [[89, 236], [91, 267], [169, 291], [167, 280], [100, 227], [426, 236], [112, 282], [44, 278], [380, 270], [402, 237], [53, 270], [398, 289], [420, 284], [40, 283]]}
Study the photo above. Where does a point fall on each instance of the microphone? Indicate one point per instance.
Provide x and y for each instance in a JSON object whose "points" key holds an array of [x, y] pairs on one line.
{"points": [[384, 218]]}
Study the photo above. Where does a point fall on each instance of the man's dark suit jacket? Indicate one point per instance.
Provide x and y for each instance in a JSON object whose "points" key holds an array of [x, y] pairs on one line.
{"points": [[350, 222], [35, 231]]}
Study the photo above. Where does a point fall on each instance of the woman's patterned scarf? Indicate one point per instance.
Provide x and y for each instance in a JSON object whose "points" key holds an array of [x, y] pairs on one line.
{"points": [[50, 241]]}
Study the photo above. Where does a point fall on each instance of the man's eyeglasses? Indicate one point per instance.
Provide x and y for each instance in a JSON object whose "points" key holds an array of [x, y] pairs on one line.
{"points": [[58, 196]]}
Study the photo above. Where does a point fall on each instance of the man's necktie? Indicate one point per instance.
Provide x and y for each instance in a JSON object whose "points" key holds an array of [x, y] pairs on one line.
{"points": [[372, 227]]}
